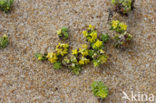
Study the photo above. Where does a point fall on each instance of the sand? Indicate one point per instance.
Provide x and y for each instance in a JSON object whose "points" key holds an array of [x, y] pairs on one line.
{"points": [[32, 26]]}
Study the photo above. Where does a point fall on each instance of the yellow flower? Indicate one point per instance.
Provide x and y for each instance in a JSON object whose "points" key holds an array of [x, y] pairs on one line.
{"points": [[115, 24], [52, 57], [59, 51], [62, 49], [85, 46], [91, 27], [123, 26], [65, 51], [85, 34], [93, 37], [98, 44], [84, 52], [74, 52], [59, 31]]}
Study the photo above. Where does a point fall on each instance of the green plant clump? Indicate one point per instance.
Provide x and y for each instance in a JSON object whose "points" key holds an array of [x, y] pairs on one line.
{"points": [[63, 33], [4, 41], [123, 6], [6, 5], [99, 89]]}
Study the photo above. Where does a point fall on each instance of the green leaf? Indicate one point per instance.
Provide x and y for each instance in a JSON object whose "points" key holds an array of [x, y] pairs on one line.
{"points": [[65, 35], [64, 29], [57, 65]]}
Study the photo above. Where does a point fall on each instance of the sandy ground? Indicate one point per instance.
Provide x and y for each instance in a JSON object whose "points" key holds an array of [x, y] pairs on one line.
{"points": [[32, 26]]}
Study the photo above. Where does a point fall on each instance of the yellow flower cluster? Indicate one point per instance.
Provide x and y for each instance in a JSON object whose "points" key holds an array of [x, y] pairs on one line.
{"points": [[97, 44], [93, 37], [90, 34], [52, 57], [62, 49], [84, 60], [118, 26], [115, 24], [123, 26], [74, 52], [83, 51]]}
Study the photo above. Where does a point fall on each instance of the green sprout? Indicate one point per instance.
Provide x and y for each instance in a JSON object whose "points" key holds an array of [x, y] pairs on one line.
{"points": [[6, 5], [4, 41], [63, 33], [99, 89], [123, 6]]}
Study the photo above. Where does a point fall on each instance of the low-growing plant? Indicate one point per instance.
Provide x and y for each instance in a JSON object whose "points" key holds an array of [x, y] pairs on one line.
{"points": [[99, 89], [4, 41], [6, 5], [63, 33], [122, 39], [123, 6], [80, 57]]}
